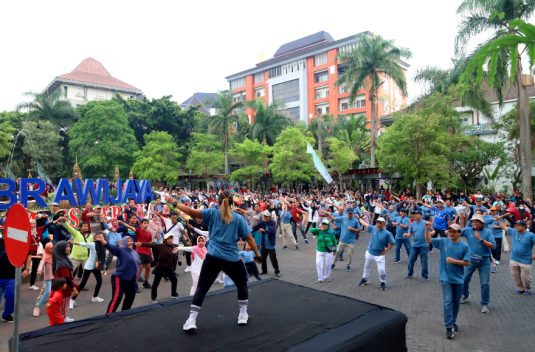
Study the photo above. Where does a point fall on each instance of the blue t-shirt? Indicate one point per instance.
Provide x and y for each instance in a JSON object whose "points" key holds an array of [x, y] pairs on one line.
{"points": [[379, 240], [452, 211], [498, 233], [337, 231], [441, 218], [346, 235], [522, 246], [476, 246], [427, 213], [286, 217], [452, 273], [399, 230], [476, 207], [223, 237], [391, 215], [417, 230], [248, 257]]}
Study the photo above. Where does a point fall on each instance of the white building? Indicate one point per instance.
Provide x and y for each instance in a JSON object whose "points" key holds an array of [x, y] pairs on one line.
{"points": [[91, 81]]}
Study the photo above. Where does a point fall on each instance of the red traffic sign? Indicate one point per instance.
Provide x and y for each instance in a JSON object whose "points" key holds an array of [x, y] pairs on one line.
{"points": [[17, 235]]}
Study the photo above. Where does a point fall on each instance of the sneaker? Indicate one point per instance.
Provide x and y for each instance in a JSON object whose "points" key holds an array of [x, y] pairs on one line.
{"points": [[383, 286], [72, 304], [449, 333], [147, 285], [397, 261], [313, 236], [527, 292], [36, 311], [306, 241], [258, 277], [105, 273], [278, 274], [363, 282], [242, 319], [190, 325], [341, 259], [464, 298], [153, 301], [455, 327], [332, 266], [424, 280], [263, 273], [408, 276], [285, 247], [328, 280], [175, 296], [141, 279], [9, 318], [296, 247], [188, 269], [84, 289], [485, 309], [68, 320], [497, 262], [430, 252], [519, 292], [494, 270], [319, 281], [35, 288], [97, 299], [348, 269], [218, 281]]}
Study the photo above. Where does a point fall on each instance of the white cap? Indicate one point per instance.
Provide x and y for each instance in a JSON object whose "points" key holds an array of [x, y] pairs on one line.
{"points": [[381, 219], [477, 217], [167, 235], [440, 201]]}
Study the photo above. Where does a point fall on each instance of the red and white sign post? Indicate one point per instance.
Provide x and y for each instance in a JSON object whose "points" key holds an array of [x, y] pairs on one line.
{"points": [[17, 241]]}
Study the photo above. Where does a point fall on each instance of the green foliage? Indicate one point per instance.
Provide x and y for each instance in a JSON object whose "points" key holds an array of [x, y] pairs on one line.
{"points": [[268, 123], [158, 159], [51, 108], [290, 160], [6, 138], [341, 157], [46, 140], [101, 138], [206, 157], [250, 155]]}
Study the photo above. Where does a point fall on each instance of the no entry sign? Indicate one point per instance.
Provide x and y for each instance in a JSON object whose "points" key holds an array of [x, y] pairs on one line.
{"points": [[17, 235]]}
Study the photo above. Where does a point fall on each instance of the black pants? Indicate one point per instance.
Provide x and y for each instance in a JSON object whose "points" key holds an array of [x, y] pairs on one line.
{"points": [[155, 255], [441, 233], [159, 273], [101, 253], [209, 271], [80, 271], [272, 257], [109, 259], [309, 225], [97, 275], [120, 287], [35, 266], [252, 269], [188, 258], [497, 253]]}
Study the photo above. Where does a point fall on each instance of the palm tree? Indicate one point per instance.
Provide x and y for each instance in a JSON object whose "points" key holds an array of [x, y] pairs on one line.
{"points": [[481, 16], [226, 113], [354, 133], [268, 122], [365, 63], [49, 107]]}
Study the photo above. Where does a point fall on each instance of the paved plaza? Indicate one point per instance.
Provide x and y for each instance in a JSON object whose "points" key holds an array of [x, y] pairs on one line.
{"points": [[509, 327]]}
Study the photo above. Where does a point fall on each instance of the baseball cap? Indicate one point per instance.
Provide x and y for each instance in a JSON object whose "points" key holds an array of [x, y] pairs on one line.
{"points": [[325, 222], [350, 210], [167, 235], [521, 223], [267, 213], [478, 218], [403, 209], [98, 206], [54, 203], [440, 201], [455, 227], [493, 208], [417, 211], [381, 219]]}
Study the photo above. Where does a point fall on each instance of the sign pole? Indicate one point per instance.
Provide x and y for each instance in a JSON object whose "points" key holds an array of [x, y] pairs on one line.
{"points": [[18, 278]]}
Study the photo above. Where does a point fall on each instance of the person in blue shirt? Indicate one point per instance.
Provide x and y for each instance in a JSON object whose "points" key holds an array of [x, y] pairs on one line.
{"points": [[427, 213], [454, 255], [341, 211], [481, 242], [286, 227], [521, 256], [349, 228], [452, 211], [419, 246], [381, 242], [478, 205], [401, 225], [441, 222], [268, 231], [389, 214], [497, 232]]}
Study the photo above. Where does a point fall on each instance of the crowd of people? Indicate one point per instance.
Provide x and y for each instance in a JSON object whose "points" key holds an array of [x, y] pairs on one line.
{"points": [[224, 234]]}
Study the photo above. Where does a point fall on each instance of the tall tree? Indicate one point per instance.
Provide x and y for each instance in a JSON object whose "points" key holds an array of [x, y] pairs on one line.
{"points": [[226, 113], [250, 155], [45, 152], [291, 162], [366, 65], [158, 159], [102, 138], [53, 108], [353, 132], [268, 122], [206, 157], [341, 158], [499, 18]]}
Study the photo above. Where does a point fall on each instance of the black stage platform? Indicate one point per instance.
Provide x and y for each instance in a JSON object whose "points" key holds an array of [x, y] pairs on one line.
{"points": [[282, 317]]}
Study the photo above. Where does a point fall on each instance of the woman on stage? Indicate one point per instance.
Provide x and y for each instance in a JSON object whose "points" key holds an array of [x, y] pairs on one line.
{"points": [[225, 229]]}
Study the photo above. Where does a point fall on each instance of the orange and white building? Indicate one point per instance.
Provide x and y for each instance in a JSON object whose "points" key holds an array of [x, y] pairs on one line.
{"points": [[302, 74]]}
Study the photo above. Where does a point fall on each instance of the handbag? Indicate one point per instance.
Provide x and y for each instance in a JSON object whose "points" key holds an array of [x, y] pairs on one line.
{"points": [[330, 249], [40, 249]]}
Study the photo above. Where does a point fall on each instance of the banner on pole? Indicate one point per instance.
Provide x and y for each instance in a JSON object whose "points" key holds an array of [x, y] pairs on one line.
{"points": [[319, 165]]}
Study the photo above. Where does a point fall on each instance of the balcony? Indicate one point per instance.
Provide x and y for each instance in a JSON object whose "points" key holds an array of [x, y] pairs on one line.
{"points": [[483, 128]]}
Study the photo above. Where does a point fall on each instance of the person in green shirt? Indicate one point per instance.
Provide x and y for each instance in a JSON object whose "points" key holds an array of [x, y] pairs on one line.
{"points": [[324, 257], [79, 254]]}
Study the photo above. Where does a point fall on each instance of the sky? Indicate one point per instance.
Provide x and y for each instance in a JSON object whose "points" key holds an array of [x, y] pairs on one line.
{"points": [[178, 48]]}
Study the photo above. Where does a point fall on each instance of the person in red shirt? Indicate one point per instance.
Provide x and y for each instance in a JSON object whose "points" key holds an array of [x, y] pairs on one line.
{"points": [[143, 235], [55, 302], [84, 217], [62, 267]]}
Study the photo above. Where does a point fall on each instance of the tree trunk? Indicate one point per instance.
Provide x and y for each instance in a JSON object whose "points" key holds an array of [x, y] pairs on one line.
{"points": [[319, 136], [341, 180], [419, 191], [265, 155], [524, 124], [371, 95], [207, 180], [226, 149]]}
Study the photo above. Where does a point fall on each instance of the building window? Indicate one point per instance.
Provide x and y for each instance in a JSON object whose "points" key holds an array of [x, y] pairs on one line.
{"points": [[327, 109], [79, 93], [286, 92], [237, 83], [260, 93], [320, 59], [240, 96], [318, 111], [275, 72], [321, 76], [318, 94], [385, 87], [66, 91], [343, 89], [259, 77], [292, 113], [344, 106]]}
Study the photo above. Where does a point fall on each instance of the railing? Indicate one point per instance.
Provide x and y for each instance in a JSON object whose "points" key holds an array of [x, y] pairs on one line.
{"points": [[483, 128]]}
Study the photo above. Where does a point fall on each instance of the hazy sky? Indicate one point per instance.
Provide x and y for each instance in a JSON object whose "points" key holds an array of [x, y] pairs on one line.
{"points": [[178, 48]]}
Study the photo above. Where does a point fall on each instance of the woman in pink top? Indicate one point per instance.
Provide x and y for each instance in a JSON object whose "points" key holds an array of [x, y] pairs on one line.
{"points": [[45, 266]]}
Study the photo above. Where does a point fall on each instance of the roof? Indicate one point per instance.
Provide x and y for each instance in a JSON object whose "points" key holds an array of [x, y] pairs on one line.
{"points": [[198, 99], [92, 71], [313, 39]]}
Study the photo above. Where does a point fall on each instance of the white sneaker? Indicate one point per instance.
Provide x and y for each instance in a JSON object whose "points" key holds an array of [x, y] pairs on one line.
{"points": [[218, 281], [154, 302], [35, 288], [497, 262], [187, 270], [190, 325], [97, 299], [242, 319], [72, 304], [69, 320]]}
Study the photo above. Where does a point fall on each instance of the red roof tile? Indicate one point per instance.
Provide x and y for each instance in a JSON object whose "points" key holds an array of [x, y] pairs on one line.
{"points": [[92, 71]]}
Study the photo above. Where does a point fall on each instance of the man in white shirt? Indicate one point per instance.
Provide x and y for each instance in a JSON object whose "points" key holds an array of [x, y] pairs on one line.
{"points": [[174, 227]]}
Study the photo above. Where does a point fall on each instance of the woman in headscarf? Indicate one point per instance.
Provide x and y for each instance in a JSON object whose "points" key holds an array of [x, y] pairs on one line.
{"points": [[324, 255], [124, 278], [45, 266], [36, 231], [62, 267], [199, 253], [155, 228]]}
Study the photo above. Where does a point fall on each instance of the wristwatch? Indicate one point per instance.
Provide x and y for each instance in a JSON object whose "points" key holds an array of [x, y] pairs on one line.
{"points": [[174, 204], [482, 240]]}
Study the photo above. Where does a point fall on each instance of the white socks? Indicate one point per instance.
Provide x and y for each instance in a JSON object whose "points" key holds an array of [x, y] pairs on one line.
{"points": [[243, 306], [194, 311]]}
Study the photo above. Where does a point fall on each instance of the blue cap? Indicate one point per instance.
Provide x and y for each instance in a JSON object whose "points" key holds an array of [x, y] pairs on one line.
{"points": [[417, 211], [350, 210], [521, 223], [403, 209]]}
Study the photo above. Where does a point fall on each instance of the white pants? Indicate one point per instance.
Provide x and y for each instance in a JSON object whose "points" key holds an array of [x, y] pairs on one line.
{"points": [[323, 265], [380, 260]]}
